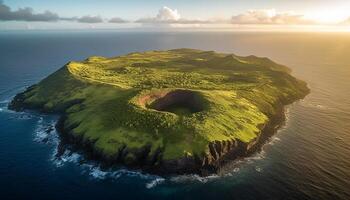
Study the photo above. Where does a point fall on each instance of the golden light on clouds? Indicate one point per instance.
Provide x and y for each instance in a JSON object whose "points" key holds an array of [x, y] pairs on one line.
{"points": [[333, 17], [331, 13], [327, 17]]}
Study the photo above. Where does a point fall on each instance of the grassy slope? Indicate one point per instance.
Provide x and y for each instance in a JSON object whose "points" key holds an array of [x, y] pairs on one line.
{"points": [[238, 93]]}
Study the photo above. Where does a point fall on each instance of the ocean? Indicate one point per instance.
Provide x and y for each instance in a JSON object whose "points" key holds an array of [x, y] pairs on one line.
{"points": [[308, 158]]}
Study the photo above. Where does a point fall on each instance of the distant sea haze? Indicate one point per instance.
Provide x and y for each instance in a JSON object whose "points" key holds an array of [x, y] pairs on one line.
{"points": [[307, 159]]}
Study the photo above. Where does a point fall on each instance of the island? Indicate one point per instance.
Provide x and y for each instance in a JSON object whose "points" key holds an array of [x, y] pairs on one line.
{"points": [[176, 111]]}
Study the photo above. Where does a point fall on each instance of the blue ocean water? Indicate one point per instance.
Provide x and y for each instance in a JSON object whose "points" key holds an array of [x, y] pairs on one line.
{"points": [[309, 158]]}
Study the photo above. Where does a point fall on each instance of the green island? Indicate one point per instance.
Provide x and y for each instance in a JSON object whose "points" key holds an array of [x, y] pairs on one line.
{"points": [[168, 112]]}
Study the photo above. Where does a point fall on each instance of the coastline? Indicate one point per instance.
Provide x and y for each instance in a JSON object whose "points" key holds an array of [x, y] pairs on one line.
{"points": [[221, 153]]}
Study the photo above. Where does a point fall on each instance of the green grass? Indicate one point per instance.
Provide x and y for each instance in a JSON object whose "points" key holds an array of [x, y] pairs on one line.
{"points": [[101, 99]]}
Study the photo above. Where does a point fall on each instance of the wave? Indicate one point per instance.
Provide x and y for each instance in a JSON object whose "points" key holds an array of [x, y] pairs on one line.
{"points": [[193, 177], [18, 115], [94, 170], [97, 173], [5, 101], [3, 106], [273, 140], [67, 157], [45, 131], [154, 183]]}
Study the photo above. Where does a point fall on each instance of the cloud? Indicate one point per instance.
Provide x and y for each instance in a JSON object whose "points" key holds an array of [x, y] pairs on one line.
{"points": [[89, 19], [117, 20], [167, 15], [269, 16], [25, 14], [171, 16], [28, 14]]}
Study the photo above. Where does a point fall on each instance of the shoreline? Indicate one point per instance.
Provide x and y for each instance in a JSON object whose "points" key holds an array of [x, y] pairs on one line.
{"points": [[185, 165]]}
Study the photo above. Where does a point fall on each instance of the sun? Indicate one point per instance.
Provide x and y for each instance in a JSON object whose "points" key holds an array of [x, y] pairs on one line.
{"points": [[327, 16]]}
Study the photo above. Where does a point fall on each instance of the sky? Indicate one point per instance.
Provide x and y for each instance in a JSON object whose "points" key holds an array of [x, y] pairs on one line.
{"points": [[176, 14]]}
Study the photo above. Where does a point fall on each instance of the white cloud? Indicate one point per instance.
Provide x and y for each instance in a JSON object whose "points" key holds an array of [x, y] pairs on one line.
{"points": [[269, 16], [167, 15]]}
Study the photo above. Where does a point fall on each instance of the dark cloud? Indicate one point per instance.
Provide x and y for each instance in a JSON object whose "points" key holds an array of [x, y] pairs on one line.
{"points": [[117, 20], [25, 14], [90, 19]]}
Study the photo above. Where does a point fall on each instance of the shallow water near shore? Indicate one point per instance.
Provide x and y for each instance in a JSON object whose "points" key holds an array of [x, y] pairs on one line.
{"points": [[307, 159]]}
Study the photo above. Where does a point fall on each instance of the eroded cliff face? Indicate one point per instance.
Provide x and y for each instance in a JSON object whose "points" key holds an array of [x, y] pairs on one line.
{"points": [[219, 154]]}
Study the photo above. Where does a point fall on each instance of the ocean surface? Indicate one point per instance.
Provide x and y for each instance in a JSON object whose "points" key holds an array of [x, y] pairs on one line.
{"points": [[309, 157]]}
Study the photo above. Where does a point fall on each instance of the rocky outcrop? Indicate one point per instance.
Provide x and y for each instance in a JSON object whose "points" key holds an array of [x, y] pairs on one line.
{"points": [[18, 103]]}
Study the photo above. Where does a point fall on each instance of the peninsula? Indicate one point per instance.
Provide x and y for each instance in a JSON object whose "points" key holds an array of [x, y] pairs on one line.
{"points": [[167, 112]]}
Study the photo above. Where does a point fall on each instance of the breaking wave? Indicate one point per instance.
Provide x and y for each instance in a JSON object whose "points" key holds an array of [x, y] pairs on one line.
{"points": [[45, 131]]}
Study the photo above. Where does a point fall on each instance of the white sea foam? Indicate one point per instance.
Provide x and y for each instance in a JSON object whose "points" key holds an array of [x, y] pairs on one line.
{"points": [[273, 140], [3, 106], [45, 131], [97, 173], [4, 109], [154, 183], [193, 177], [66, 157]]}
